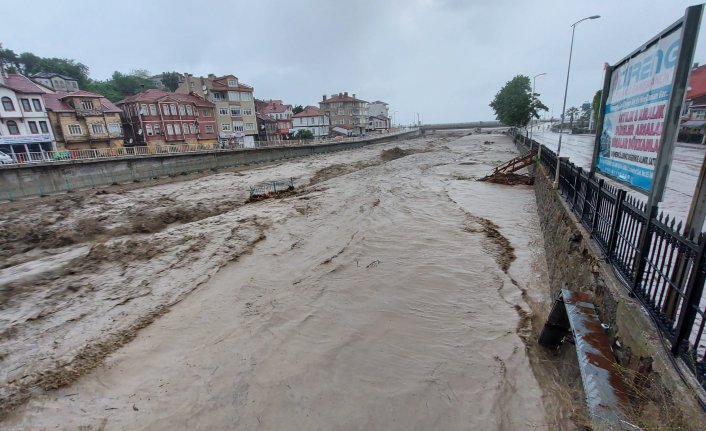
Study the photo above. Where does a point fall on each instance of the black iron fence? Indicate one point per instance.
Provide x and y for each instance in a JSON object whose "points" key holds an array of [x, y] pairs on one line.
{"points": [[655, 259]]}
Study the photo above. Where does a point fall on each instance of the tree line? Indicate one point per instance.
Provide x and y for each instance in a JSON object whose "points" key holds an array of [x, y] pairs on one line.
{"points": [[117, 87]]}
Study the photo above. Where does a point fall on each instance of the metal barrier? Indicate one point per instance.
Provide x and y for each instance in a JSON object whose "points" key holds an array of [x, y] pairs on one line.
{"points": [[666, 273], [109, 153]]}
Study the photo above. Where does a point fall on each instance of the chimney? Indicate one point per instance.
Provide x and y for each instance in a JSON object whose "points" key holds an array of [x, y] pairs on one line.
{"points": [[345, 94], [340, 94], [187, 81], [142, 87], [354, 95], [696, 65], [324, 97], [211, 76]]}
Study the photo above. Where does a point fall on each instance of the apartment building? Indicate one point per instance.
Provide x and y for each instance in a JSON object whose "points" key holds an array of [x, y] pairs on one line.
{"points": [[694, 114], [267, 128], [234, 106], [83, 120], [282, 113], [346, 113], [312, 119], [24, 123], [158, 117]]}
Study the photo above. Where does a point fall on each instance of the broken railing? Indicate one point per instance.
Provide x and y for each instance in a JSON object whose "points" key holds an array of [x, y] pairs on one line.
{"points": [[269, 187]]}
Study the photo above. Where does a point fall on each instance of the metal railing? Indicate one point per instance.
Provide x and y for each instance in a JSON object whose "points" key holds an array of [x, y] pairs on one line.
{"points": [[23, 158], [666, 271]]}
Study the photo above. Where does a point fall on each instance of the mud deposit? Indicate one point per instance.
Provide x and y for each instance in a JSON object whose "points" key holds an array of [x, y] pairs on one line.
{"points": [[384, 293]]}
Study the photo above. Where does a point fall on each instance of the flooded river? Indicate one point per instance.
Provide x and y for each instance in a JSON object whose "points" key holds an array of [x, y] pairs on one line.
{"points": [[387, 295]]}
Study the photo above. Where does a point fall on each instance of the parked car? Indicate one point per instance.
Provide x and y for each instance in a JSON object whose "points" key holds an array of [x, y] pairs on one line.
{"points": [[5, 159]]}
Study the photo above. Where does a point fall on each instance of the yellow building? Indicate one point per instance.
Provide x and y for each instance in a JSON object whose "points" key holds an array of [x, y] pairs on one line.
{"points": [[82, 120]]}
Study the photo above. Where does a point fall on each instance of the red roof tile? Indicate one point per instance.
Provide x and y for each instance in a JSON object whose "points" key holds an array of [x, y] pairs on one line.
{"points": [[337, 98], [21, 84], [81, 93], [55, 102], [309, 111], [697, 83], [274, 107], [154, 95]]}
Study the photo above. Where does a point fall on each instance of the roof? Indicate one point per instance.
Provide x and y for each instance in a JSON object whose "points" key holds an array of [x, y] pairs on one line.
{"points": [[56, 102], [697, 83], [274, 107], [81, 93], [342, 98], [379, 117], [154, 95], [49, 75], [379, 102], [265, 118], [21, 84], [309, 111]]}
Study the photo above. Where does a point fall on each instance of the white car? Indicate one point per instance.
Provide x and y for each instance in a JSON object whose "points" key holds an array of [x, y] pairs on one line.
{"points": [[5, 159]]}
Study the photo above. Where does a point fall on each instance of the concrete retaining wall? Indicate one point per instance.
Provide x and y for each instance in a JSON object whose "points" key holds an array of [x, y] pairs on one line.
{"points": [[40, 180]]}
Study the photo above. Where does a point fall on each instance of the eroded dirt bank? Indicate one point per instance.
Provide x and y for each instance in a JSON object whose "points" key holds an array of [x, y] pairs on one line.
{"points": [[390, 293]]}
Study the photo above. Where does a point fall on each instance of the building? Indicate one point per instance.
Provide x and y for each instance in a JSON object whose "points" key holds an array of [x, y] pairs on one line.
{"points": [[312, 119], [55, 81], [234, 106], [280, 112], [267, 128], [378, 109], [346, 112], [25, 131], [157, 81], [155, 117], [82, 120], [378, 123], [693, 119]]}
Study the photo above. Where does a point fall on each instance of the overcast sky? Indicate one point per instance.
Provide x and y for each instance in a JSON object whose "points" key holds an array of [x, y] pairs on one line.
{"points": [[443, 58]]}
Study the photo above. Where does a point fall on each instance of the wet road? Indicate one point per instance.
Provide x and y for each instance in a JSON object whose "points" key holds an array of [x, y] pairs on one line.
{"points": [[393, 297]]}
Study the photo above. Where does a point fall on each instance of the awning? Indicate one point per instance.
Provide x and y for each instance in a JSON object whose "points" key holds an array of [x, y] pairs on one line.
{"points": [[694, 123]]}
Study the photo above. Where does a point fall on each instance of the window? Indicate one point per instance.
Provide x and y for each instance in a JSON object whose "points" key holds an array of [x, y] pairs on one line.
{"points": [[222, 111], [74, 129], [73, 84], [174, 109], [37, 105], [189, 111], [25, 105], [232, 82], [115, 128], [209, 128], [43, 127], [149, 130], [216, 95], [143, 108], [249, 126], [245, 97], [33, 127], [182, 111], [235, 110], [238, 126], [153, 109], [225, 127], [341, 112], [193, 128], [165, 109], [247, 111], [206, 112], [12, 127], [177, 129], [233, 96], [87, 104], [170, 129], [186, 127], [98, 129], [157, 129]]}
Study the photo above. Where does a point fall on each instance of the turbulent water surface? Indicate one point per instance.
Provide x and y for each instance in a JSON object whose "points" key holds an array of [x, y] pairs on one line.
{"points": [[390, 294]]}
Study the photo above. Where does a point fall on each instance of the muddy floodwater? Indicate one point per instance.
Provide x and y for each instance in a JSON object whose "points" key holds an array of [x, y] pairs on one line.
{"points": [[391, 291]]}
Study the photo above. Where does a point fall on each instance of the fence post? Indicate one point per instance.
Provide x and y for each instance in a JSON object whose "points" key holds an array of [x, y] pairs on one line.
{"points": [[577, 184], [692, 298], [594, 219], [643, 249], [615, 223]]}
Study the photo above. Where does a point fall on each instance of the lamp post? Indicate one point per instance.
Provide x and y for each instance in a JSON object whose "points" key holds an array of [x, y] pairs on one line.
{"points": [[566, 90], [539, 146]]}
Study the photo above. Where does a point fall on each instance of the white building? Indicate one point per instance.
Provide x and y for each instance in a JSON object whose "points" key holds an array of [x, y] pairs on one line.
{"points": [[378, 109], [25, 131], [312, 119]]}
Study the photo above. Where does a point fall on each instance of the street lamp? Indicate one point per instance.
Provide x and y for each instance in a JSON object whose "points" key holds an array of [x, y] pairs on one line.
{"points": [[566, 90], [539, 147]]}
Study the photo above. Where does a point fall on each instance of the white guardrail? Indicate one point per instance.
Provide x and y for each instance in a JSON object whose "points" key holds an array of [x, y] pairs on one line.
{"points": [[44, 157]]}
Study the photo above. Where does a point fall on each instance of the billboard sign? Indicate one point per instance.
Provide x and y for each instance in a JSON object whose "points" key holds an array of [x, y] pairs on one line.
{"points": [[636, 119]]}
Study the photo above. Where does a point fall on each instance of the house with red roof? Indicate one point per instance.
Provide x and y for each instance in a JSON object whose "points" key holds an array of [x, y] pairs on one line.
{"points": [[346, 113], [282, 113], [312, 119], [158, 117], [25, 132], [694, 118], [83, 120]]}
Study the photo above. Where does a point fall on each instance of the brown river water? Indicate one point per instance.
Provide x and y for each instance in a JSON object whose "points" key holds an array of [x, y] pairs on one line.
{"points": [[386, 296]]}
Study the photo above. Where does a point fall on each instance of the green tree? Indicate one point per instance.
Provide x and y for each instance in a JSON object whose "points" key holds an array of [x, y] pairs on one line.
{"points": [[596, 105], [571, 112], [297, 109], [170, 80], [514, 104], [304, 134]]}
